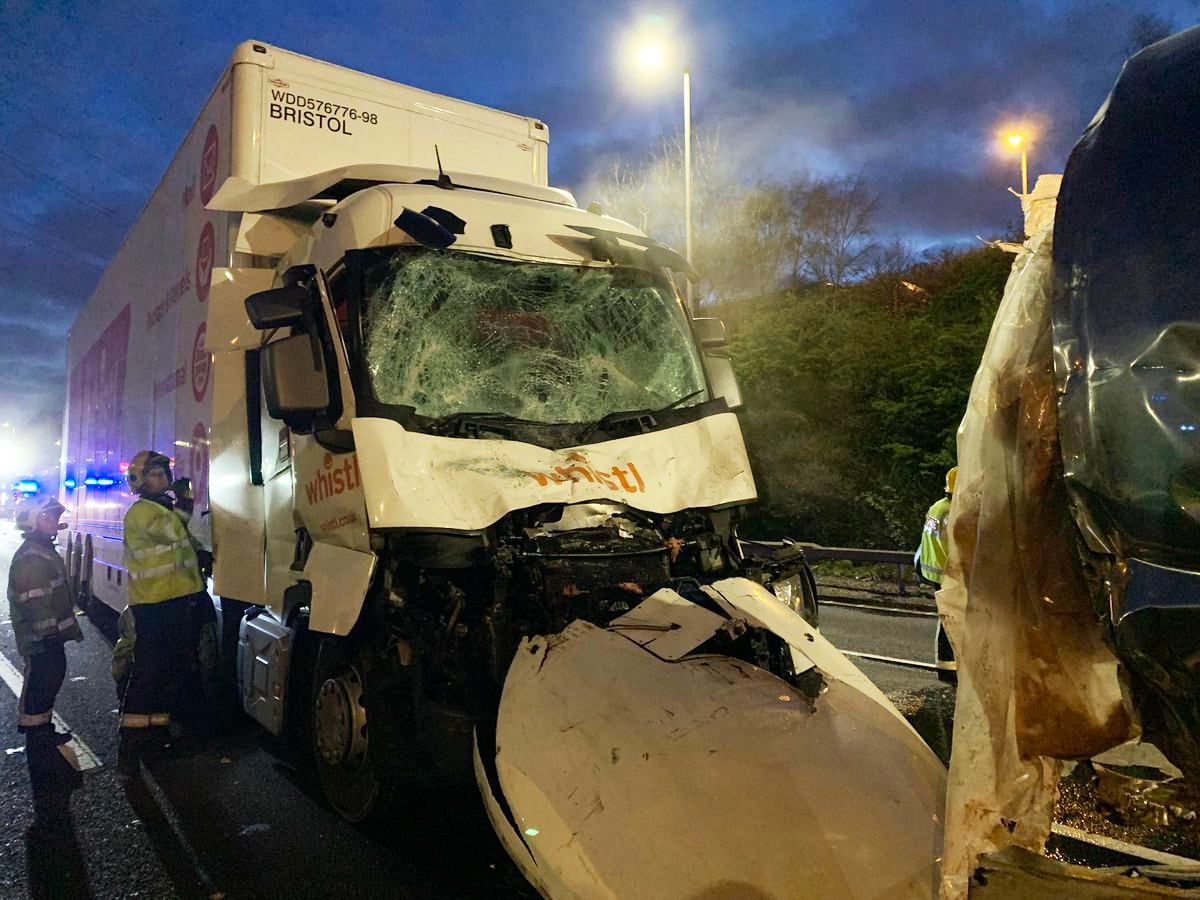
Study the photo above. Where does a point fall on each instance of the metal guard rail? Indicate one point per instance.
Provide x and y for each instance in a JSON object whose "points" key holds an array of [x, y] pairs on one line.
{"points": [[902, 559]]}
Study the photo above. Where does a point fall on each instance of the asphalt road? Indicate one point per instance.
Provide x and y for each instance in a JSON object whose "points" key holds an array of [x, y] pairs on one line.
{"points": [[235, 820]]}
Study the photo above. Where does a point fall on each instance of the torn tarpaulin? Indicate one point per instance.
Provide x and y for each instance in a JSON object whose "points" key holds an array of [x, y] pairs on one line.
{"points": [[1036, 680]]}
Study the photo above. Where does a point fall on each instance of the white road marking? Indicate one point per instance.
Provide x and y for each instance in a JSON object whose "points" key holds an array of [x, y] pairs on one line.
{"points": [[894, 660], [882, 610], [87, 759]]}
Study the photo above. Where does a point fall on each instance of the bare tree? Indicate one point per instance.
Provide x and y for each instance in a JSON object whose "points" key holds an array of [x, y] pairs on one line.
{"points": [[890, 258], [834, 229], [738, 230], [748, 239]]}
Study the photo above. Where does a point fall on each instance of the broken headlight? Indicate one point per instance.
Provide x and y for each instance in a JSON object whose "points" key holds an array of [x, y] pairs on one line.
{"points": [[798, 593]]}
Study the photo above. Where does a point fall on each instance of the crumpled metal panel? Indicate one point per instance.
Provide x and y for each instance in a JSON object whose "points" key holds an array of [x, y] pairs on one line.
{"points": [[1127, 360], [1127, 313], [625, 774]]}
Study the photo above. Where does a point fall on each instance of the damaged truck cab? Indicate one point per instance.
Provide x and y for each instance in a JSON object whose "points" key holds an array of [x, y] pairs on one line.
{"points": [[473, 479], [511, 548], [491, 416]]}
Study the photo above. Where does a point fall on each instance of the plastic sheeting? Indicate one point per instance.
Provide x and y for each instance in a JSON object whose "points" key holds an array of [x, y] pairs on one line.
{"points": [[450, 333], [1036, 679]]}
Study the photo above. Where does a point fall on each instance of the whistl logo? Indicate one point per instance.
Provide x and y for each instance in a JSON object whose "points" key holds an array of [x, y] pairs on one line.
{"points": [[330, 481], [627, 479]]}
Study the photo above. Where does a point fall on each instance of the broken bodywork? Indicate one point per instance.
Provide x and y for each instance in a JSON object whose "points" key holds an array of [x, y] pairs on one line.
{"points": [[649, 759], [530, 464], [1127, 361], [1072, 588]]}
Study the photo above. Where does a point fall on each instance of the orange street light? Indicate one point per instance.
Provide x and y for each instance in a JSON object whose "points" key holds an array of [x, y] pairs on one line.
{"points": [[1018, 141]]}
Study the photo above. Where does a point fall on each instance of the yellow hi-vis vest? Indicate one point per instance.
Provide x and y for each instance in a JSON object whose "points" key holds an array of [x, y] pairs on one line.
{"points": [[935, 541], [159, 556]]}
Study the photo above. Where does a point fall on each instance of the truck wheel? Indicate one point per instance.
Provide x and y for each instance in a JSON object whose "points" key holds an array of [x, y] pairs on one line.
{"points": [[354, 774]]}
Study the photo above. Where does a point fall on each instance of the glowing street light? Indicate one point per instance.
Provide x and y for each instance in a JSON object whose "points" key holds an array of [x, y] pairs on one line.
{"points": [[651, 52], [650, 55], [1016, 141]]}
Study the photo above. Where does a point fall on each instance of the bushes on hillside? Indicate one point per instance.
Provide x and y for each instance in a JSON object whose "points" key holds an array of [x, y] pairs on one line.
{"points": [[854, 395]]}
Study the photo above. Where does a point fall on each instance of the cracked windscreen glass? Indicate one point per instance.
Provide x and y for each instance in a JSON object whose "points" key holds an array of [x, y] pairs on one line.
{"points": [[448, 333]]}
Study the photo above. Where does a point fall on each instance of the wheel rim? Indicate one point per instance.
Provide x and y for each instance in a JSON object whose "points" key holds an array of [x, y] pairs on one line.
{"points": [[341, 720]]}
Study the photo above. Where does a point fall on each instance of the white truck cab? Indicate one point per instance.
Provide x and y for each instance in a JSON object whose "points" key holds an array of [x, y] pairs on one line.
{"points": [[453, 432]]}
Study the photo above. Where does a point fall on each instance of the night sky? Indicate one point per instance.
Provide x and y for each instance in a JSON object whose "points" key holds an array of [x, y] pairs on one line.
{"points": [[97, 98]]}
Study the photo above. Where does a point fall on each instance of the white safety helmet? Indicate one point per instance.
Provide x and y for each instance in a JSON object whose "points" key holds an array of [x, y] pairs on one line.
{"points": [[31, 507]]}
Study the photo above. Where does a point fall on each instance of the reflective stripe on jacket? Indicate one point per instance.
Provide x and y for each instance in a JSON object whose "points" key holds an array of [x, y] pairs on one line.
{"points": [[39, 596], [935, 541], [158, 554]]}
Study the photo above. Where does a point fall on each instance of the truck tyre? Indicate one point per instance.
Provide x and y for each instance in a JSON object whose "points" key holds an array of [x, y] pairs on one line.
{"points": [[358, 777]]}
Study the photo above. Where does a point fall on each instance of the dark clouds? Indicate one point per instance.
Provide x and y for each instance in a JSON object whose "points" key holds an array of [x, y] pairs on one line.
{"points": [[97, 98], [911, 95]]}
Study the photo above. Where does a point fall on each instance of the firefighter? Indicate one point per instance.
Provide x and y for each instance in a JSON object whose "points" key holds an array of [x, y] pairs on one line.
{"points": [[43, 618], [164, 586]]}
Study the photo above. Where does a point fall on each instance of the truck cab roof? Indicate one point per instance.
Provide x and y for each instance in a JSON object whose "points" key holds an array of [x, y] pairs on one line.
{"points": [[499, 218], [237, 195]]}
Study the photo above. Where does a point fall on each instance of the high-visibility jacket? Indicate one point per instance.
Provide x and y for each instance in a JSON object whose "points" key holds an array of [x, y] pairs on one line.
{"points": [[159, 556], [39, 596], [935, 541]]}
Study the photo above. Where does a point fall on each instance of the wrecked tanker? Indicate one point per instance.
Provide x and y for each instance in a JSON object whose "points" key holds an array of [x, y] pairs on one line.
{"points": [[475, 482]]}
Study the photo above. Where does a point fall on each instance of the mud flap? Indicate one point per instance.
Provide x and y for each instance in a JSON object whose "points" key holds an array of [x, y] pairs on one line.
{"points": [[622, 773]]}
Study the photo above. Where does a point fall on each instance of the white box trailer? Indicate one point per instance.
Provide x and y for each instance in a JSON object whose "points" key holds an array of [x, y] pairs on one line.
{"points": [[140, 374], [472, 470]]}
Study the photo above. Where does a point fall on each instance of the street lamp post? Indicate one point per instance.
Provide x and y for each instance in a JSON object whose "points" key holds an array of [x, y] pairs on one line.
{"points": [[1016, 140], [687, 183], [651, 52]]}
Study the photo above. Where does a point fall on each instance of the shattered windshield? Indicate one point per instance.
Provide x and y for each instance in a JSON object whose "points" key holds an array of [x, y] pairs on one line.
{"points": [[450, 333]]}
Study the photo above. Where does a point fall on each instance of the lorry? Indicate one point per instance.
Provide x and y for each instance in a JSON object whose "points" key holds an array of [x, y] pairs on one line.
{"points": [[437, 419]]}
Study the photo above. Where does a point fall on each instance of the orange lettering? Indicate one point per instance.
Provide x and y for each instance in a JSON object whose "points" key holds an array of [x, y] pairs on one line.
{"points": [[571, 471], [621, 473], [638, 476]]}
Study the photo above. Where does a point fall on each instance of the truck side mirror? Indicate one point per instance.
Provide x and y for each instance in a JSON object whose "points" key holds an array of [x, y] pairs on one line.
{"points": [[279, 307], [294, 380], [710, 333]]}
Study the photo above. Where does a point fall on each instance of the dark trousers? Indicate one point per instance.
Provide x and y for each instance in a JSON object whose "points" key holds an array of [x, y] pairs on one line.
{"points": [[163, 656], [44, 674]]}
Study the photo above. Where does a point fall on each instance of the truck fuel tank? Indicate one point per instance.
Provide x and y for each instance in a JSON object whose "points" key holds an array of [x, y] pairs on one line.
{"points": [[264, 650]]}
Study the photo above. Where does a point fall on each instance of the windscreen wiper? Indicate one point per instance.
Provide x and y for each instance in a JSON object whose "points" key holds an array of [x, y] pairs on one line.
{"points": [[643, 418], [472, 424]]}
